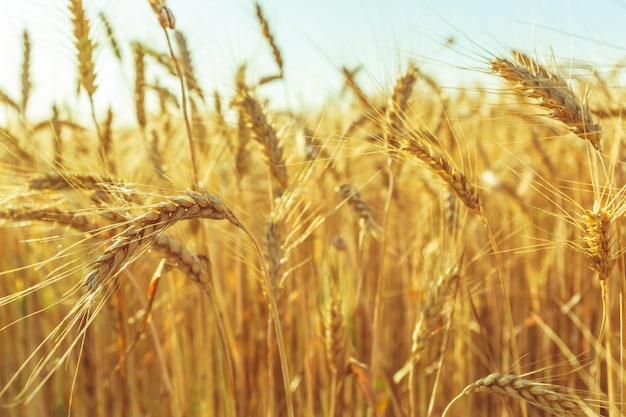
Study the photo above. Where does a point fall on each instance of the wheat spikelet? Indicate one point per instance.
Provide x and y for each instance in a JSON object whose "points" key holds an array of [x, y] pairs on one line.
{"points": [[69, 180], [187, 63], [140, 84], [551, 93], [267, 34], [51, 213], [85, 47], [178, 255], [349, 193], [442, 292], [458, 183], [273, 250], [145, 229], [554, 399], [56, 125], [222, 126], [334, 332], [173, 251], [259, 128], [397, 104], [107, 140], [164, 14], [115, 46], [597, 225], [26, 82]]}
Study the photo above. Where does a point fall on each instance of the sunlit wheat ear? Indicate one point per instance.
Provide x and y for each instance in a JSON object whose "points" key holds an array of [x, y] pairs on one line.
{"points": [[273, 250], [164, 14], [108, 28], [598, 237], [437, 308], [145, 229], [70, 181], [259, 128], [458, 183], [551, 93], [554, 399], [397, 106], [335, 331], [85, 48], [140, 85], [349, 193], [187, 64], [267, 34], [107, 139], [26, 77]]}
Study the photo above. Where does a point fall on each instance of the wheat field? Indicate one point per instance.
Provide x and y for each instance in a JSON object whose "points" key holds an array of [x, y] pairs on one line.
{"points": [[419, 252]]}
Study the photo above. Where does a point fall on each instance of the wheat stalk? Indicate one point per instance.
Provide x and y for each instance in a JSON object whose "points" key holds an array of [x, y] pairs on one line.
{"points": [[352, 85]]}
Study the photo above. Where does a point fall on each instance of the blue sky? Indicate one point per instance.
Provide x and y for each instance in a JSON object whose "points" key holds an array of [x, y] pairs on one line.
{"points": [[317, 38]]}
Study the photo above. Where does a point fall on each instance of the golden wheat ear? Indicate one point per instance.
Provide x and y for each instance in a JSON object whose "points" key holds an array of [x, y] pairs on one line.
{"points": [[551, 93], [554, 399]]}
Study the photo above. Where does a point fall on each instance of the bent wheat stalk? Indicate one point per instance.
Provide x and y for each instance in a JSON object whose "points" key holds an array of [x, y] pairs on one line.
{"points": [[145, 229]]}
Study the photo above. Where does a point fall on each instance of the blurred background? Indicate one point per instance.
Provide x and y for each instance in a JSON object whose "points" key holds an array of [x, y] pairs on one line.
{"points": [[445, 38]]}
